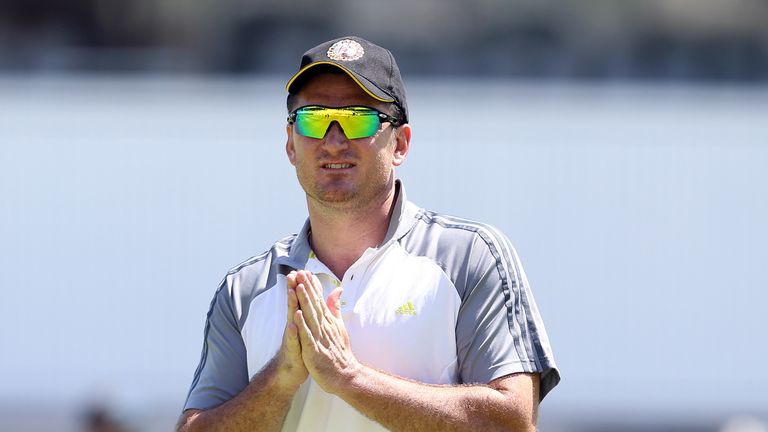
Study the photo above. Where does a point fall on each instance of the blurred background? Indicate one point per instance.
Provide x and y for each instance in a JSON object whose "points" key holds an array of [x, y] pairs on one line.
{"points": [[141, 157], [597, 39]]}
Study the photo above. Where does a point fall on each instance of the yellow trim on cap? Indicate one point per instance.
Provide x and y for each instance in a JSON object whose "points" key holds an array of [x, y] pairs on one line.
{"points": [[288, 86]]}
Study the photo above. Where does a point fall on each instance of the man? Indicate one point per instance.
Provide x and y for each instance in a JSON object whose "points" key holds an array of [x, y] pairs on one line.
{"points": [[378, 314]]}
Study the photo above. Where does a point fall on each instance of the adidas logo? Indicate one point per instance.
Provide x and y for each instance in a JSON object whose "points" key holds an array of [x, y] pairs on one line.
{"points": [[406, 309]]}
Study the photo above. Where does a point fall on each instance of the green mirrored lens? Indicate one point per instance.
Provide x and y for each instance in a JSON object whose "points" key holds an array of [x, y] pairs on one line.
{"points": [[360, 123], [311, 122], [357, 122]]}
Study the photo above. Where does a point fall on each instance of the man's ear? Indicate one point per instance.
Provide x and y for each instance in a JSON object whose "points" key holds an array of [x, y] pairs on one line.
{"points": [[402, 144], [290, 150]]}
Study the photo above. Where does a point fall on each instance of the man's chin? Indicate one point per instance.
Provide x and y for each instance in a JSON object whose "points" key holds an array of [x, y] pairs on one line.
{"points": [[335, 196]]}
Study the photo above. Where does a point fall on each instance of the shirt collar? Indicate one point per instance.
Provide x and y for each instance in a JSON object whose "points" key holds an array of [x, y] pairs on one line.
{"points": [[402, 220], [403, 216]]}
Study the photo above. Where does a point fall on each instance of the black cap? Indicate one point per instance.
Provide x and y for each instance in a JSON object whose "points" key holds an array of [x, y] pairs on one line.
{"points": [[372, 67]]}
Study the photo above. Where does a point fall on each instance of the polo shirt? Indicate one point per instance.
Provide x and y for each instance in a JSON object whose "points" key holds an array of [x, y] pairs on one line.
{"points": [[442, 300]]}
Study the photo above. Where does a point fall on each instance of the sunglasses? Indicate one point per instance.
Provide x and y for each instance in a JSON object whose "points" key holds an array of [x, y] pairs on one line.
{"points": [[313, 121]]}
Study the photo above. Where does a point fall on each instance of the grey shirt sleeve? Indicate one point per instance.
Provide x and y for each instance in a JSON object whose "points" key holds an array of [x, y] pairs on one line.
{"points": [[222, 372], [499, 329]]}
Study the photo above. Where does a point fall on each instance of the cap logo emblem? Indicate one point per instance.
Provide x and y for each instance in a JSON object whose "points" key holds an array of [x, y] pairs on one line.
{"points": [[345, 50]]}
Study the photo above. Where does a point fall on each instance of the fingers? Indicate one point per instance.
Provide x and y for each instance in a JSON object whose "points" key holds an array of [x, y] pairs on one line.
{"points": [[304, 333], [291, 277], [313, 285], [321, 304], [310, 294], [334, 302], [308, 312], [291, 334], [321, 318], [292, 344], [293, 303]]}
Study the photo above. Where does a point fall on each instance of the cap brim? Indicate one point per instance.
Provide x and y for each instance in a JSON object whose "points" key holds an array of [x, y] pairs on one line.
{"points": [[364, 84]]}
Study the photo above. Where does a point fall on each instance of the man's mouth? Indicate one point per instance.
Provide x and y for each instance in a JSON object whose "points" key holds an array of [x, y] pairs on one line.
{"points": [[337, 165]]}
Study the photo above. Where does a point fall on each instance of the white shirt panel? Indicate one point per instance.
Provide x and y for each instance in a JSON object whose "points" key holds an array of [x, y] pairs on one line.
{"points": [[264, 327], [403, 306]]}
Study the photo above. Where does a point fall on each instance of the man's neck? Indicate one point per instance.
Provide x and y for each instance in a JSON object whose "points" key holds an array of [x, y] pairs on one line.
{"points": [[340, 236]]}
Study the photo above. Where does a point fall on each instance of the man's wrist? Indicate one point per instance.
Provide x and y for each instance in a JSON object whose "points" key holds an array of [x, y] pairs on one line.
{"points": [[353, 377], [280, 376], [288, 379]]}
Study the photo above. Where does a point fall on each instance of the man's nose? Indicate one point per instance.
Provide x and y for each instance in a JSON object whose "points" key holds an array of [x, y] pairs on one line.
{"points": [[334, 137]]}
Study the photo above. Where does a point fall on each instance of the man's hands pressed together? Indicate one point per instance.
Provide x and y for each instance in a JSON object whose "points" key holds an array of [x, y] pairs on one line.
{"points": [[317, 329]]}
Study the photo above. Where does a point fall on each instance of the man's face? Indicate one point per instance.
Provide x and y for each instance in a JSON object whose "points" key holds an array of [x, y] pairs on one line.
{"points": [[336, 171]]}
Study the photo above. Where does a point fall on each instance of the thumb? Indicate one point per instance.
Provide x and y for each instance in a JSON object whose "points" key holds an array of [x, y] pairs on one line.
{"points": [[334, 301]]}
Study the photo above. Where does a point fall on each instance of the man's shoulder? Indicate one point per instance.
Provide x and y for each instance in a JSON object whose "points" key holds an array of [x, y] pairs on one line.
{"points": [[465, 249], [433, 226], [253, 276], [265, 260], [448, 238]]}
